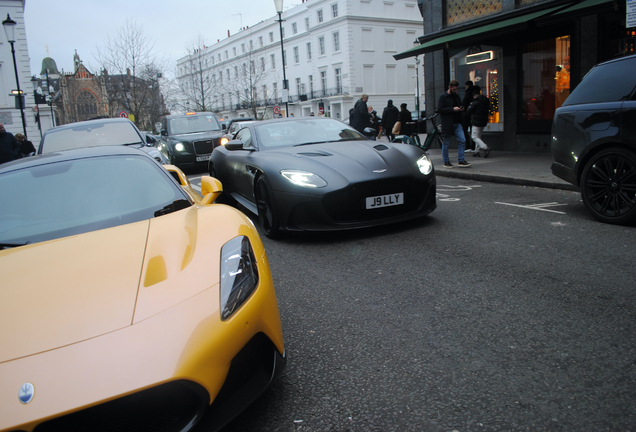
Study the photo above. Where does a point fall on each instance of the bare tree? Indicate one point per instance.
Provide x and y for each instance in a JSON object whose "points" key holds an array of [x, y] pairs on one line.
{"points": [[133, 71], [196, 84]]}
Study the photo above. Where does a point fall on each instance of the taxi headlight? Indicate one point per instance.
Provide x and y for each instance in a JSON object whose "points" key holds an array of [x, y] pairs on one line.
{"points": [[425, 165], [179, 147], [304, 179], [224, 141], [239, 275]]}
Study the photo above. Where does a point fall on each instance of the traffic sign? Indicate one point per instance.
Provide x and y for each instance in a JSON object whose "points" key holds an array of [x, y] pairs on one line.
{"points": [[123, 114], [276, 109]]}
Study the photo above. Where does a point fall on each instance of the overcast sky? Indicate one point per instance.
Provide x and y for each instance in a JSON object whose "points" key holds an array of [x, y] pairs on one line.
{"points": [[83, 25]]}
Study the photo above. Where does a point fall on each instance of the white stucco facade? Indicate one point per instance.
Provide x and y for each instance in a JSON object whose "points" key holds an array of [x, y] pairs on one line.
{"points": [[9, 114], [336, 50]]}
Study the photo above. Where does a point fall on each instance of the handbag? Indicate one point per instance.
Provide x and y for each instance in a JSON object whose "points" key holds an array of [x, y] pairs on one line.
{"points": [[396, 128]]}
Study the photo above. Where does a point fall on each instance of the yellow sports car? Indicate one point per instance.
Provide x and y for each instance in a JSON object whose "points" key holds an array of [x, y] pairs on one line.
{"points": [[128, 301]]}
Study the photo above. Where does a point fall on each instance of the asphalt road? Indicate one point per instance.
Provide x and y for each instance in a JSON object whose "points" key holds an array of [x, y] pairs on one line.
{"points": [[507, 309]]}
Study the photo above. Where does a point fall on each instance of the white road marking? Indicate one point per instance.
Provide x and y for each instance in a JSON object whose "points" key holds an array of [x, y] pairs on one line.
{"points": [[456, 188], [541, 207]]}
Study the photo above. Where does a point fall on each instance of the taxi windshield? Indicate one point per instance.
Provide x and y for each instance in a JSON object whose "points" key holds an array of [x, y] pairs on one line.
{"points": [[193, 124]]}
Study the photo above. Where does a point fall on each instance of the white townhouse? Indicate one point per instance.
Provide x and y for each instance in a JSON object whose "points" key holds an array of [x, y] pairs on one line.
{"points": [[334, 51], [10, 116]]}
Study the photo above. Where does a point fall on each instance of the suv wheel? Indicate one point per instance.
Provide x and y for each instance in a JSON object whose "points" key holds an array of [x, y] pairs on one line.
{"points": [[608, 186]]}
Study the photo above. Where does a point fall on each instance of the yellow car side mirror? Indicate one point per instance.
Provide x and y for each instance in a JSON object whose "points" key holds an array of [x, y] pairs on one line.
{"points": [[211, 188]]}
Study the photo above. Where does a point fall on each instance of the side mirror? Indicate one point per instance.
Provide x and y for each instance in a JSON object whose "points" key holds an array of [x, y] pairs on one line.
{"points": [[234, 145], [164, 132], [150, 140], [211, 188]]}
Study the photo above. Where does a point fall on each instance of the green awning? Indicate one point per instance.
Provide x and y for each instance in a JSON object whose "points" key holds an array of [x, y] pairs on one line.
{"points": [[583, 5], [506, 26]]}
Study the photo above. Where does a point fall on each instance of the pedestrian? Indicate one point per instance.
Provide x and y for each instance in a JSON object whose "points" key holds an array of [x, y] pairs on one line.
{"points": [[404, 117], [375, 121], [450, 108], [359, 115], [26, 146], [9, 146], [478, 111], [389, 117], [468, 99], [291, 115], [311, 114]]}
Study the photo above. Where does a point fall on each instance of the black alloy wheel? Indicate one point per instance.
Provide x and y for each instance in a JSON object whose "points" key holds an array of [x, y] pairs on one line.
{"points": [[267, 213], [608, 186]]}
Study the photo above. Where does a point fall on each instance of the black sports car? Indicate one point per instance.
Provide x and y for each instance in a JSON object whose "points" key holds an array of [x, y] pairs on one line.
{"points": [[315, 174]]}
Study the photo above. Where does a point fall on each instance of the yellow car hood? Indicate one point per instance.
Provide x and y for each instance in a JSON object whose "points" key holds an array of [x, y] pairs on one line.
{"points": [[71, 289]]}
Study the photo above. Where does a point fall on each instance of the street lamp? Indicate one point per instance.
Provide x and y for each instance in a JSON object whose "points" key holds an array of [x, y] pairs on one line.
{"points": [[417, 76], [49, 93], [9, 29], [279, 10]]}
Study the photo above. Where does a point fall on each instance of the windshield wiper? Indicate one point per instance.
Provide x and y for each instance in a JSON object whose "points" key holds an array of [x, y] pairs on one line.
{"points": [[12, 245], [174, 206]]}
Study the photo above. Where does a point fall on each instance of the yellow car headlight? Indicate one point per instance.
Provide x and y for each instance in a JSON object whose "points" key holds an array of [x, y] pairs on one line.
{"points": [[224, 141], [239, 275]]}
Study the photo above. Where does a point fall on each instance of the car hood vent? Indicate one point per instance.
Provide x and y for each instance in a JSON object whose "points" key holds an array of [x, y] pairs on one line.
{"points": [[313, 153], [380, 147]]}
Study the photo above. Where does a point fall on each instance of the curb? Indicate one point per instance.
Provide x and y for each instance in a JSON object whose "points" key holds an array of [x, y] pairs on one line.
{"points": [[504, 179]]}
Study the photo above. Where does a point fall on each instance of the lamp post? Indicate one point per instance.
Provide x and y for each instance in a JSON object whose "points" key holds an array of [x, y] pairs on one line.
{"points": [[9, 29], [279, 10], [49, 98], [417, 80]]}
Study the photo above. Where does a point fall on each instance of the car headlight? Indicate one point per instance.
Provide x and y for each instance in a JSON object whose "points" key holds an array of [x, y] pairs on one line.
{"points": [[425, 165], [303, 178], [239, 275], [179, 147], [224, 141]]}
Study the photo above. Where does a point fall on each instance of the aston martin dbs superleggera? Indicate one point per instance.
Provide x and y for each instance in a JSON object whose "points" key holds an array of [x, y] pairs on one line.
{"points": [[128, 301], [314, 174]]}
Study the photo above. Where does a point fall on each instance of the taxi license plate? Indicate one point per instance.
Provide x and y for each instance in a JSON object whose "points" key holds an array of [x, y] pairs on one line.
{"points": [[385, 200], [203, 158]]}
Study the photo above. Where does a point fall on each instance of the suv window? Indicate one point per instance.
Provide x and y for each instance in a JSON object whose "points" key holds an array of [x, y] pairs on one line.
{"points": [[606, 83]]}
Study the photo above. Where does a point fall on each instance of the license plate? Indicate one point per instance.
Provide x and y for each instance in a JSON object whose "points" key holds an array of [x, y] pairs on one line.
{"points": [[203, 158], [385, 200]]}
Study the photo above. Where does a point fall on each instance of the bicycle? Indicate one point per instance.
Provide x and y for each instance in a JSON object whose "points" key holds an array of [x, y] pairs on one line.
{"points": [[434, 136]]}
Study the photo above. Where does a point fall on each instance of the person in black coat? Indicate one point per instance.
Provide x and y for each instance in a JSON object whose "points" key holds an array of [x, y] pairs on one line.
{"points": [[361, 118], [468, 98], [478, 111], [389, 117], [9, 146], [449, 106], [405, 117], [375, 121], [26, 146]]}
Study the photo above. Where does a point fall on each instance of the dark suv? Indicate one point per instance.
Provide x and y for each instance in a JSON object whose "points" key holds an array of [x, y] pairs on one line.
{"points": [[594, 140], [188, 139]]}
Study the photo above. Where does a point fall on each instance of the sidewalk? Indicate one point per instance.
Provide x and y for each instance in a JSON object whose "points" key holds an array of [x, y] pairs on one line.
{"points": [[527, 169]]}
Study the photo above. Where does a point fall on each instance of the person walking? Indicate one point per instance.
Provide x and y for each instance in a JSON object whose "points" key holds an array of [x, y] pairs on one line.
{"points": [[360, 118], [9, 146], [26, 146], [468, 99], [375, 122], [389, 117], [478, 111], [449, 106], [405, 117]]}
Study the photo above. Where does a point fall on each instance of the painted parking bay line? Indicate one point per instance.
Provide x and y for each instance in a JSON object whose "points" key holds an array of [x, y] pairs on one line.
{"points": [[542, 207]]}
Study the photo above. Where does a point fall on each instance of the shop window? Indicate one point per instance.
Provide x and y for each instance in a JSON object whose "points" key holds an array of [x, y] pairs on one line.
{"points": [[545, 81], [617, 41], [482, 65]]}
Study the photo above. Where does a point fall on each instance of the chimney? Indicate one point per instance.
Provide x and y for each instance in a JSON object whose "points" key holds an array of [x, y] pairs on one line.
{"points": [[228, 33]]}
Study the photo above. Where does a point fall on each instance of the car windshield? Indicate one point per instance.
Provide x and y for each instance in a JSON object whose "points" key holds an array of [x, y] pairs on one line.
{"points": [[193, 124], [90, 134], [61, 199], [304, 132]]}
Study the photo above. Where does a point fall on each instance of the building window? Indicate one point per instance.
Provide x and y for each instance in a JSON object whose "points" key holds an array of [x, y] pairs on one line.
{"points": [[273, 56], [271, 37], [252, 67], [545, 81], [321, 45], [260, 41], [226, 56], [323, 81], [236, 75], [336, 41], [334, 10], [275, 88], [264, 92], [296, 55], [320, 19], [294, 28], [242, 48], [483, 66], [86, 105], [234, 51], [310, 79], [338, 80], [306, 23], [262, 64], [298, 86], [308, 50]]}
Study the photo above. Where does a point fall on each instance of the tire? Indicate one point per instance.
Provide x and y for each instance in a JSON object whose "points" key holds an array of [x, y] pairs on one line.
{"points": [[267, 212], [608, 186]]}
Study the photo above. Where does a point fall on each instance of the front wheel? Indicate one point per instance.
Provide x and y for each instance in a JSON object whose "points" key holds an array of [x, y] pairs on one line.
{"points": [[608, 186], [267, 212]]}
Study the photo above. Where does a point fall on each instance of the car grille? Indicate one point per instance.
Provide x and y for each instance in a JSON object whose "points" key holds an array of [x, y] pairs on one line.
{"points": [[170, 406], [349, 204], [203, 147]]}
